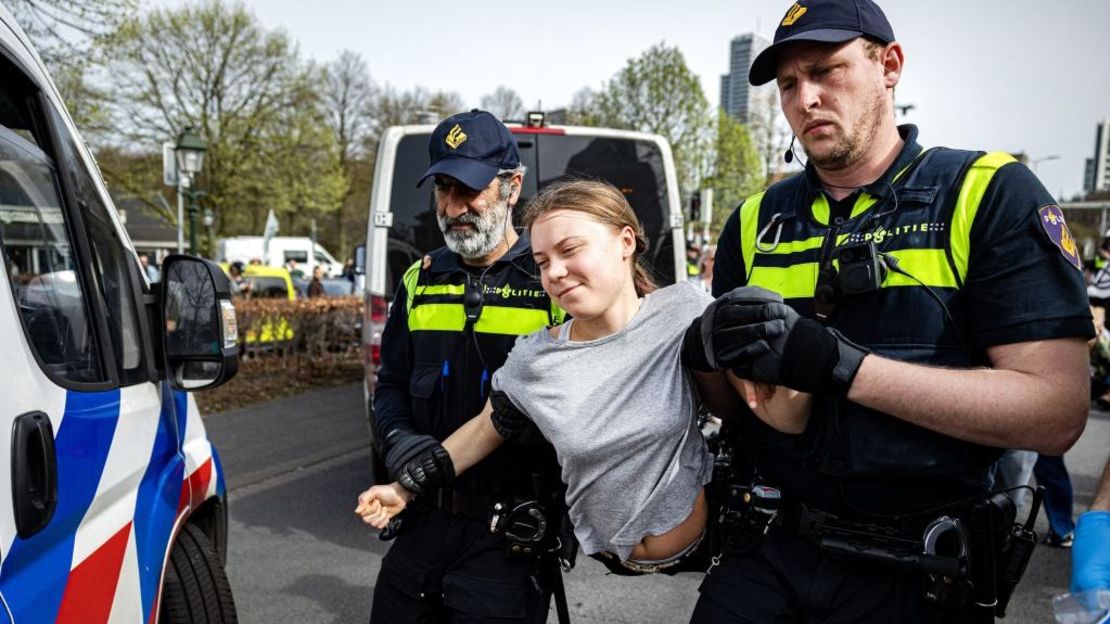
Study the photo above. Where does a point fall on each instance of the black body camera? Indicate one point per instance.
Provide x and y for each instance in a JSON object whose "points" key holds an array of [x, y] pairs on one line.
{"points": [[861, 270]]}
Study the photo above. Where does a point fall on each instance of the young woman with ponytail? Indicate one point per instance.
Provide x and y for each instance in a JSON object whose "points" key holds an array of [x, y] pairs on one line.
{"points": [[608, 389]]}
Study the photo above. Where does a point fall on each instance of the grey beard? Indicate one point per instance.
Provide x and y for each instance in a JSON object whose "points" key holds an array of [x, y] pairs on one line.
{"points": [[489, 231]]}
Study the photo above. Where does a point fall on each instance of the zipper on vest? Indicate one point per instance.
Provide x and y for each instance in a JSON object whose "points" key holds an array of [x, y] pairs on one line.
{"points": [[827, 292]]}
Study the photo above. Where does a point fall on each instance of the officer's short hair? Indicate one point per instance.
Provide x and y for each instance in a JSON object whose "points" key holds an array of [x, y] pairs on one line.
{"points": [[505, 176]]}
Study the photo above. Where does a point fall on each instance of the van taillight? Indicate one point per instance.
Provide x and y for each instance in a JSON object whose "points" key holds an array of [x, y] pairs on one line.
{"points": [[379, 307], [377, 310]]}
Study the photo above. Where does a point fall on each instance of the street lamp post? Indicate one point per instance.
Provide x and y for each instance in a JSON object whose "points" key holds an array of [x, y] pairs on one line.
{"points": [[209, 220], [189, 156], [1037, 161]]}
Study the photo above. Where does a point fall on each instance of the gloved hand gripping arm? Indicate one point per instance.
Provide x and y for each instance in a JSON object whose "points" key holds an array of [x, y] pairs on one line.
{"points": [[419, 463], [751, 332]]}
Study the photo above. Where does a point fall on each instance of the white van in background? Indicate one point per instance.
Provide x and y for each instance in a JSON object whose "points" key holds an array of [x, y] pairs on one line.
{"points": [[402, 225], [282, 250]]}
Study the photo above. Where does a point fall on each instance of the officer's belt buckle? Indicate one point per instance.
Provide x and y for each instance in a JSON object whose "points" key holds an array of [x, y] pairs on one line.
{"points": [[524, 525]]}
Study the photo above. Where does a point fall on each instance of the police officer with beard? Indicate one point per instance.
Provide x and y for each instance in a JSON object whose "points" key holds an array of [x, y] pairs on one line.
{"points": [[931, 303], [454, 319]]}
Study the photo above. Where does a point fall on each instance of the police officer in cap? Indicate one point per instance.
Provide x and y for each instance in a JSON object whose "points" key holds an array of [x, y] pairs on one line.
{"points": [[454, 319], [931, 301]]}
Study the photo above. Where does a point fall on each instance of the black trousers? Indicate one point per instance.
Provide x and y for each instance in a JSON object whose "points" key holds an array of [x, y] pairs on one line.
{"points": [[785, 579], [448, 568]]}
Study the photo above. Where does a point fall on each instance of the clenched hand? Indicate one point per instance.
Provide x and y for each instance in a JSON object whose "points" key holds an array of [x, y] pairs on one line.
{"points": [[378, 505]]}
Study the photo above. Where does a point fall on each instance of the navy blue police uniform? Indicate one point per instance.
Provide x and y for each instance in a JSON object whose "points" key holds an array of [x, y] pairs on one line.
{"points": [[985, 259], [947, 254], [450, 327]]}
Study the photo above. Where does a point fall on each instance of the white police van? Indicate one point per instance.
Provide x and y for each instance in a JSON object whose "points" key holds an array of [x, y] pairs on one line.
{"points": [[402, 225], [112, 503]]}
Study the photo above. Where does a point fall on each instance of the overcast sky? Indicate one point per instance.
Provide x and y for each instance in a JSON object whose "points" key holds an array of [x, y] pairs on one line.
{"points": [[1015, 75]]}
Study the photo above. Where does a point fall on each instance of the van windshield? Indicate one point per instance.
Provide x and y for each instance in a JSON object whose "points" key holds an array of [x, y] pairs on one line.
{"points": [[634, 166]]}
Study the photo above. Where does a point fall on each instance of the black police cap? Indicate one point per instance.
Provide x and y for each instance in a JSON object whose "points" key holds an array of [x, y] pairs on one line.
{"points": [[471, 147], [826, 21]]}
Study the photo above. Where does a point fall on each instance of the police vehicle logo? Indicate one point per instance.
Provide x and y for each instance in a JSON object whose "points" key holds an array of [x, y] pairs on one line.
{"points": [[455, 137], [795, 12], [1052, 220]]}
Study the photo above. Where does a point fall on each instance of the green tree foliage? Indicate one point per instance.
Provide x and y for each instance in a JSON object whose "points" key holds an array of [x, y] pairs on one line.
{"points": [[213, 66], [658, 93], [737, 170]]}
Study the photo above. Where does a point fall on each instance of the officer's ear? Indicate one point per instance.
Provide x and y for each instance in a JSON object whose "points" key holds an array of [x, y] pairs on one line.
{"points": [[516, 182], [893, 60]]}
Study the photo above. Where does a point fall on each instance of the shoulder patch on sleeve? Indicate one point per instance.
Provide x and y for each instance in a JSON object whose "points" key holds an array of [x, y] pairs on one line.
{"points": [[1052, 221]]}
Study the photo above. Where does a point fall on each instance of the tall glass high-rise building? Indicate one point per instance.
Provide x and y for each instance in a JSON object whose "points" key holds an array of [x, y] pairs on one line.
{"points": [[1097, 174], [737, 96]]}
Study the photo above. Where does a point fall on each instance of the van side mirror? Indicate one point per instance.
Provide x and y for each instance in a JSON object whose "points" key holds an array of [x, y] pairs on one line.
{"points": [[360, 260], [199, 329]]}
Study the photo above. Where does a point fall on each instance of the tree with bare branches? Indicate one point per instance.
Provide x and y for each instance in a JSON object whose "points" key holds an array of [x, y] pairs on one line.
{"points": [[348, 99], [65, 31], [503, 103]]}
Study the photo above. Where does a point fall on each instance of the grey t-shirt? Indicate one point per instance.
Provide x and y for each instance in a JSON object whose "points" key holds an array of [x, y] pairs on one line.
{"points": [[621, 414]]}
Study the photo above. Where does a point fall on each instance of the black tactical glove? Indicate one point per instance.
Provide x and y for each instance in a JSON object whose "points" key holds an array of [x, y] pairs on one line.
{"points": [[420, 463], [762, 339], [710, 345], [510, 422]]}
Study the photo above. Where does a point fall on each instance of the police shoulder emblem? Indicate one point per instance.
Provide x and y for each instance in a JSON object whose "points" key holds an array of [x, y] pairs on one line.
{"points": [[795, 12], [1052, 220], [455, 137]]}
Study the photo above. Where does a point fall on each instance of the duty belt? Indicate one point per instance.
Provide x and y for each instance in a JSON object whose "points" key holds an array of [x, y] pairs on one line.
{"points": [[972, 553], [466, 504], [937, 544]]}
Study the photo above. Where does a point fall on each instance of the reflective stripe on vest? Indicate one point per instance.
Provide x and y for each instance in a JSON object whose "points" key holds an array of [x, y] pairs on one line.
{"points": [[450, 315], [972, 190], [931, 266]]}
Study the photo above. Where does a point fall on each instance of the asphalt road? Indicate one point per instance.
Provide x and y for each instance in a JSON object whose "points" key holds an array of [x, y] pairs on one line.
{"points": [[298, 554]]}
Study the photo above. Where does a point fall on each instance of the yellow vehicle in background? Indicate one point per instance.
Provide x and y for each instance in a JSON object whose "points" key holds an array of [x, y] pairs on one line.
{"points": [[264, 282]]}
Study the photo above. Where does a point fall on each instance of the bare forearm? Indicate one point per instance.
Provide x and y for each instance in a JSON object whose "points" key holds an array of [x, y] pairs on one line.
{"points": [[717, 394], [1102, 496], [784, 409], [995, 407], [472, 442]]}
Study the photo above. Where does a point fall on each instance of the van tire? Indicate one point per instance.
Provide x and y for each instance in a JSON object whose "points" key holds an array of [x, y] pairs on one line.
{"points": [[196, 590]]}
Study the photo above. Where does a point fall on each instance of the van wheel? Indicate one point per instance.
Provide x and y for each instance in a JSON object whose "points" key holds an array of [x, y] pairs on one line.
{"points": [[196, 588]]}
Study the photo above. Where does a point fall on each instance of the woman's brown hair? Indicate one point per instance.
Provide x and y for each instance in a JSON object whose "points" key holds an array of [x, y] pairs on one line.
{"points": [[604, 202]]}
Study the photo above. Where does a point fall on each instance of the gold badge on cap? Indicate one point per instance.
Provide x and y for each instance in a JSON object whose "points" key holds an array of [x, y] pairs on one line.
{"points": [[455, 137], [795, 13]]}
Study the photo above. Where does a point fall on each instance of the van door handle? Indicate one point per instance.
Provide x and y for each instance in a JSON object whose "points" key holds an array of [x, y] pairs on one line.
{"points": [[34, 473]]}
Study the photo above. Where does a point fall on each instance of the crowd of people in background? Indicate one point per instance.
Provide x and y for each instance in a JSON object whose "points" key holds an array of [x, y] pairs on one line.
{"points": [[699, 266]]}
